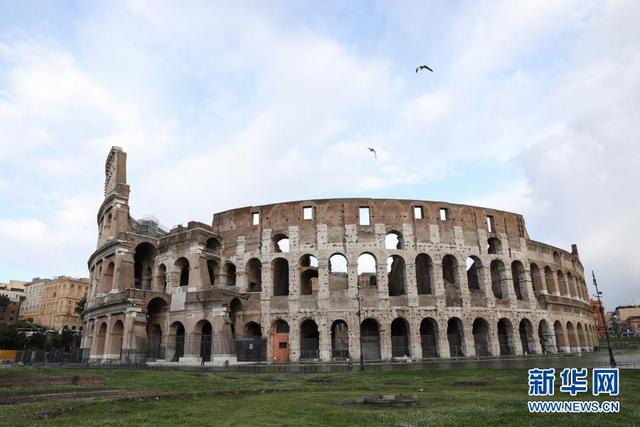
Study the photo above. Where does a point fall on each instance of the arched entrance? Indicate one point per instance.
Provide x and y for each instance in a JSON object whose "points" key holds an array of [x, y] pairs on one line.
{"points": [[546, 337], [117, 334], [481, 337], [400, 338], [156, 351], [429, 337], [100, 339], [561, 342], [205, 330], [526, 336], [280, 341], [370, 340], [339, 340], [455, 337], [309, 340], [505, 337]]}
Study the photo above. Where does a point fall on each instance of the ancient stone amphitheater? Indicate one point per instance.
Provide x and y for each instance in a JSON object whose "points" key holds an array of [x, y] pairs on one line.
{"points": [[328, 280]]}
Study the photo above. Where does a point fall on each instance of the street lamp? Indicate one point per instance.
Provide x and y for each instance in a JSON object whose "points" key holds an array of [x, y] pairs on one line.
{"points": [[612, 360], [359, 323]]}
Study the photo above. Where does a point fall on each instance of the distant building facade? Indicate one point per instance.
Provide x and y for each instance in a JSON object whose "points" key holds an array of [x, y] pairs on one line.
{"points": [[628, 317], [14, 290], [30, 307], [9, 313], [58, 300]]}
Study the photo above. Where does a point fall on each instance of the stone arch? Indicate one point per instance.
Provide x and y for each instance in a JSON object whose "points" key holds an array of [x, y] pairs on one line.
{"points": [[212, 270], [162, 277], [572, 337], [396, 272], [370, 339], [451, 281], [144, 256], [108, 278], [562, 283], [252, 329], [536, 279], [235, 314], [571, 284], [230, 272], [181, 267], [154, 339], [424, 274], [561, 342], [254, 275], [474, 273], [550, 280], [519, 280], [338, 273], [116, 336], [204, 331], [177, 334], [505, 337], [213, 245], [582, 342], [526, 336], [100, 339], [281, 243], [481, 337], [280, 270], [429, 338], [339, 339], [308, 275], [367, 264], [455, 337], [546, 337], [498, 279], [400, 338], [494, 246], [280, 341], [393, 240], [309, 340]]}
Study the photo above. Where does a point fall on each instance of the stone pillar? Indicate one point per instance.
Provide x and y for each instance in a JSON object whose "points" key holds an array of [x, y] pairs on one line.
{"points": [[463, 284], [443, 344], [385, 339], [411, 287], [414, 339], [324, 331], [294, 341]]}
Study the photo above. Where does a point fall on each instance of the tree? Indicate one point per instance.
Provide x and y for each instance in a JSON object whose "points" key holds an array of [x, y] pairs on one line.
{"points": [[80, 306]]}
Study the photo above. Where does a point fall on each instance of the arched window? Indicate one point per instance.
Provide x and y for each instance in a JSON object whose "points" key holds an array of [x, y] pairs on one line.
{"points": [[393, 240], [338, 277], [254, 275], [424, 274], [367, 270], [280, 243], [280, 267], [396, 274]]}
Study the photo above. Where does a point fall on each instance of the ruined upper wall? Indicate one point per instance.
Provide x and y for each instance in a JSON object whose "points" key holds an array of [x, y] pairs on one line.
{"points": [[337, 213]]}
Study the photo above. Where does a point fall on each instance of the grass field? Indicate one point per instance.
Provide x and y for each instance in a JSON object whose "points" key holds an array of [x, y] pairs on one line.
{"points": [[465, 397]]}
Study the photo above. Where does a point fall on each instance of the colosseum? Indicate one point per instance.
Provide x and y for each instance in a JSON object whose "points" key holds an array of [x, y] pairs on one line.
{"points": [[328, 280]]}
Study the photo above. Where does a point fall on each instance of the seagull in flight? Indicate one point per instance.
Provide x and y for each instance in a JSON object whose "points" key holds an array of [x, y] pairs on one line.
{"points": [[373, 151], [423, 67]]}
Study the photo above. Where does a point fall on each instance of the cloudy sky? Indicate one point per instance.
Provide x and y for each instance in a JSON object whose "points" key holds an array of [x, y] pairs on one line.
{"points": [[534, 107]]}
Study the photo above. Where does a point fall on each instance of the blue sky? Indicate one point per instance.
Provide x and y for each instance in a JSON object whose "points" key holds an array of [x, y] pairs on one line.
{"points": [[533, 107]]}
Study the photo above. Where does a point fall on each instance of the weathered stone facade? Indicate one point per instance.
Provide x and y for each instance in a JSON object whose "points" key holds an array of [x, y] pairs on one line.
{"points": [[328, 279]]}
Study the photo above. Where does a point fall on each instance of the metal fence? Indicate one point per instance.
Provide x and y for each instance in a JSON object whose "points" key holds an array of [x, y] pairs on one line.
{"points": [[400, 346], [309, 348], [251, 348], [28, 356]]}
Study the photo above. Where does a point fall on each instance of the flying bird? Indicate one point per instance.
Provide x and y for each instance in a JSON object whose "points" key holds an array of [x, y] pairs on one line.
{"points": [[373, 151], [423, 67]]}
